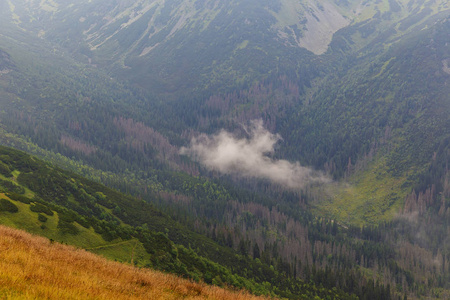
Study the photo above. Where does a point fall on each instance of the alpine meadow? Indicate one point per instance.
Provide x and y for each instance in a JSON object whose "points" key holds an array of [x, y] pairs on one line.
{"points": [[225, 149]]}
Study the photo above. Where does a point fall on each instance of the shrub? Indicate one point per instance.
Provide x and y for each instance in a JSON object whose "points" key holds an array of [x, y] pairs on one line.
{"points": [[42, 218], [66, 227], [65, 223], [6, 205], [18, 197], [5, 170], [41, 208], [12, 187]]}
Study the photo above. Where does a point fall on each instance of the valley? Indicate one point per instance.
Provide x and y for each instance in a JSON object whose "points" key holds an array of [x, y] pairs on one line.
{"points": [[290, 148]]}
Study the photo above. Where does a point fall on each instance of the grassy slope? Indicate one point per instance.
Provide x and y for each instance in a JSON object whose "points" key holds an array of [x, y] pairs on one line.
{"points": [[33, 267], [369, 196], [119, 250], [25, 219], [87, 238]]}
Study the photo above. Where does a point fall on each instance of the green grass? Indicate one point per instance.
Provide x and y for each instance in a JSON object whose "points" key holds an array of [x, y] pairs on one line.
{"points": [[27, 220], [24, 219], [49, 5], [368, 197], [242, 45], [384, 67], [288, 15], [131, 251], [123, 251]]}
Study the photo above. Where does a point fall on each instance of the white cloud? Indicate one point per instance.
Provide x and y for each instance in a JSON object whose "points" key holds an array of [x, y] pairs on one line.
{"points": [[248, 157]]}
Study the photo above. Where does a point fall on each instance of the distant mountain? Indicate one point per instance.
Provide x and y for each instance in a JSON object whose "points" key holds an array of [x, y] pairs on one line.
{"points": [[190, 43], [179, 45]]}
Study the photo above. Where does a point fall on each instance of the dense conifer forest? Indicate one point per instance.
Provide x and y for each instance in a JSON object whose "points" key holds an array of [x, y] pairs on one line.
{"points": [[335, 183]]}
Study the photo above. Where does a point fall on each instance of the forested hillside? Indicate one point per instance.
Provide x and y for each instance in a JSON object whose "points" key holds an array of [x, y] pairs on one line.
{"points": [[292, 162], [381, 116], [68, 208]]}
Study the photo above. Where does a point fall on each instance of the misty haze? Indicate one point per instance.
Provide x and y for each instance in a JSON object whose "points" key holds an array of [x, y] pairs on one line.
{"points": [[168, 134]]}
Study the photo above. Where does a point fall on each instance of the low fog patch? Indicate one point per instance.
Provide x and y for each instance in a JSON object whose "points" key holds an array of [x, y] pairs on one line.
{"points": [[250, 157]]}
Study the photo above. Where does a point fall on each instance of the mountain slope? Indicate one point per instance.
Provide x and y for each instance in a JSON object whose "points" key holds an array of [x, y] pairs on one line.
{"points": [[388, 115], [65, 207], [33, 267], [171, 46]]}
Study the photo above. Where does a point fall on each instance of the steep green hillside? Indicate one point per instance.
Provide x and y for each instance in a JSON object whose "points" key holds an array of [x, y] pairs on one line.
{"points": [[383, 123], [65, 207]]}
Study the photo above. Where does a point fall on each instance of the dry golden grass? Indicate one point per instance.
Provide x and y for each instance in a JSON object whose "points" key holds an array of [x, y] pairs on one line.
{"points": [[33, 268]]}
